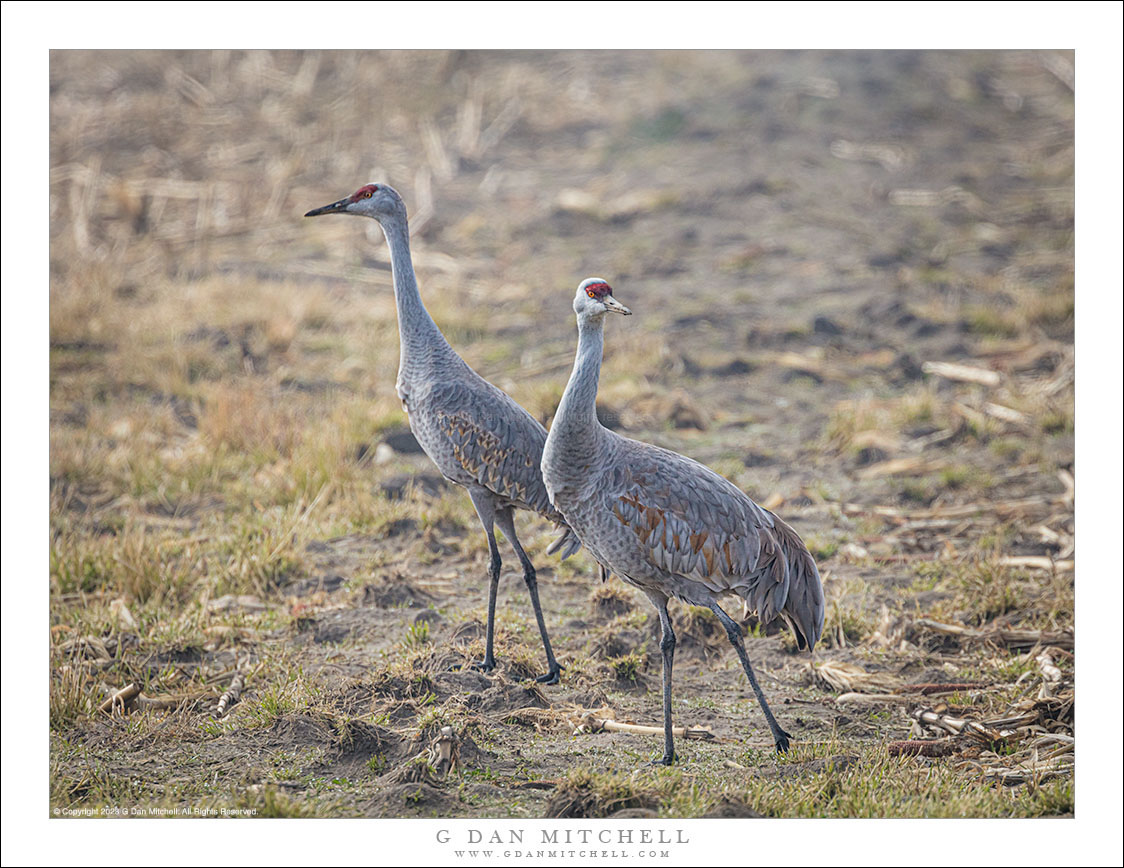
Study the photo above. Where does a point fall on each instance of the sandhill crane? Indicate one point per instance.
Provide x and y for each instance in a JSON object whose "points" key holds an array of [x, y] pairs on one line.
{"points": [[668, 525], [476, 435]]}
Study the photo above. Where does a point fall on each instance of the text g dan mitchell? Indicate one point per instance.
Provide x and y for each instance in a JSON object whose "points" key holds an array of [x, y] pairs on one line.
{"points": [[565, 836]]}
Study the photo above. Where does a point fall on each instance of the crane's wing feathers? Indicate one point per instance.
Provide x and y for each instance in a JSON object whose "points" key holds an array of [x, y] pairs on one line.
{"points": [[494, 440], [694, 523]]}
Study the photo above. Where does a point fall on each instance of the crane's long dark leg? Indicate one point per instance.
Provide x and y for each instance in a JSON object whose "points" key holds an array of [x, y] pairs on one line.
{"points": [[667, 649], [486, 509], [505, 518], [734, 633]]}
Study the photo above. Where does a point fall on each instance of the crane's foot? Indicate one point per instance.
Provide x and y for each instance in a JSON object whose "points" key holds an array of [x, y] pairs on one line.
{"points": [[782, 738], [486, 665], [551, 677], [666, 760]]}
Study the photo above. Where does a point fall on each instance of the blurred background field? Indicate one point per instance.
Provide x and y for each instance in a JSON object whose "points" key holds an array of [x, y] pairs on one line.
{"points": [[852, 274]]}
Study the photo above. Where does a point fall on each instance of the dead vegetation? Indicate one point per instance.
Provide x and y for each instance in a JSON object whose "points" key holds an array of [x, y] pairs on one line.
{"points": [[588, 794], [854, 298]]}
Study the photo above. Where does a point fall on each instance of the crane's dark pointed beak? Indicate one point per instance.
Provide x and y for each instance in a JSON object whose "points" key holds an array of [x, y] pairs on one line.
{"points": [[334, 208]]}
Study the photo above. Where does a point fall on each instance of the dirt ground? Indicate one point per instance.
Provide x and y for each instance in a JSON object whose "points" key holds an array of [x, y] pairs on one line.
{"points": [[852, 280]]}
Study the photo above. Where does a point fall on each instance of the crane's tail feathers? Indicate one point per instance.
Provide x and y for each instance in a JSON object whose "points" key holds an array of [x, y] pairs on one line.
{"points": [[567, 543], [802, 642], [803, 608]]}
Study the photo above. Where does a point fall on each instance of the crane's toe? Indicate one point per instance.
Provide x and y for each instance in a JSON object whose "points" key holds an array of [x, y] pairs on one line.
{"points": [[782, 738], [666, 760], [551, 677], [484, 666]]}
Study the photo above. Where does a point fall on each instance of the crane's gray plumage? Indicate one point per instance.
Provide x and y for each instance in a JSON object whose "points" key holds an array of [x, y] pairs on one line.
{"points": [[476, 435], [667, 524]]}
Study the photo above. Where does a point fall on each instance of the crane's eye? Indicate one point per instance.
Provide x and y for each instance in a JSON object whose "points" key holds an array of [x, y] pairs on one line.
{"points": [[367, 195], [591, 293]]}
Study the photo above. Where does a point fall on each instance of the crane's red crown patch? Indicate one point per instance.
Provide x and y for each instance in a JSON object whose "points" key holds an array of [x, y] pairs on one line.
{"points": [[364, 192], [598, 290]]}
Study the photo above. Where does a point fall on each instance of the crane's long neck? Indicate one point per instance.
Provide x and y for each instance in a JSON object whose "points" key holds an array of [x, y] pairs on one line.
{"points": [[421, 341], [576, 420]]}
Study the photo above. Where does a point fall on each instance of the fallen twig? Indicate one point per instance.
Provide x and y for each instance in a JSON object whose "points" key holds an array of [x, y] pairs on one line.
{"points": [[957, 725], [920, 444], [920, 747], [937, 689], [231, 696], [170, 701], [1031, 771], [122, 700], [962, 373], [874, 697], [1066, 479], [995, 634], [587, 723], [1037, 562], [949, 629], [698, 732], [912, 465], [1006, 414]]}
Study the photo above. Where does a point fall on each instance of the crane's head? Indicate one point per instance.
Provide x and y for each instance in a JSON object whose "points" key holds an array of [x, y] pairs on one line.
{"points": [[377, 201], [595, 298]]}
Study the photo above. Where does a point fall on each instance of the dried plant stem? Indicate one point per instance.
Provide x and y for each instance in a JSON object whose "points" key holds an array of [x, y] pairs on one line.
{"points": [[122, 700], [231, 696]]}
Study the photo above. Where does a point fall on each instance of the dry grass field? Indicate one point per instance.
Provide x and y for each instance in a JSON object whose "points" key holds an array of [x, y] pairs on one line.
{"points": [[852, 279]]}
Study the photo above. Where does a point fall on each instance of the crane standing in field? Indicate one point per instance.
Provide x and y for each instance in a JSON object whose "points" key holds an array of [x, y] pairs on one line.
{"points": [[668, 525], [476, 435]]}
